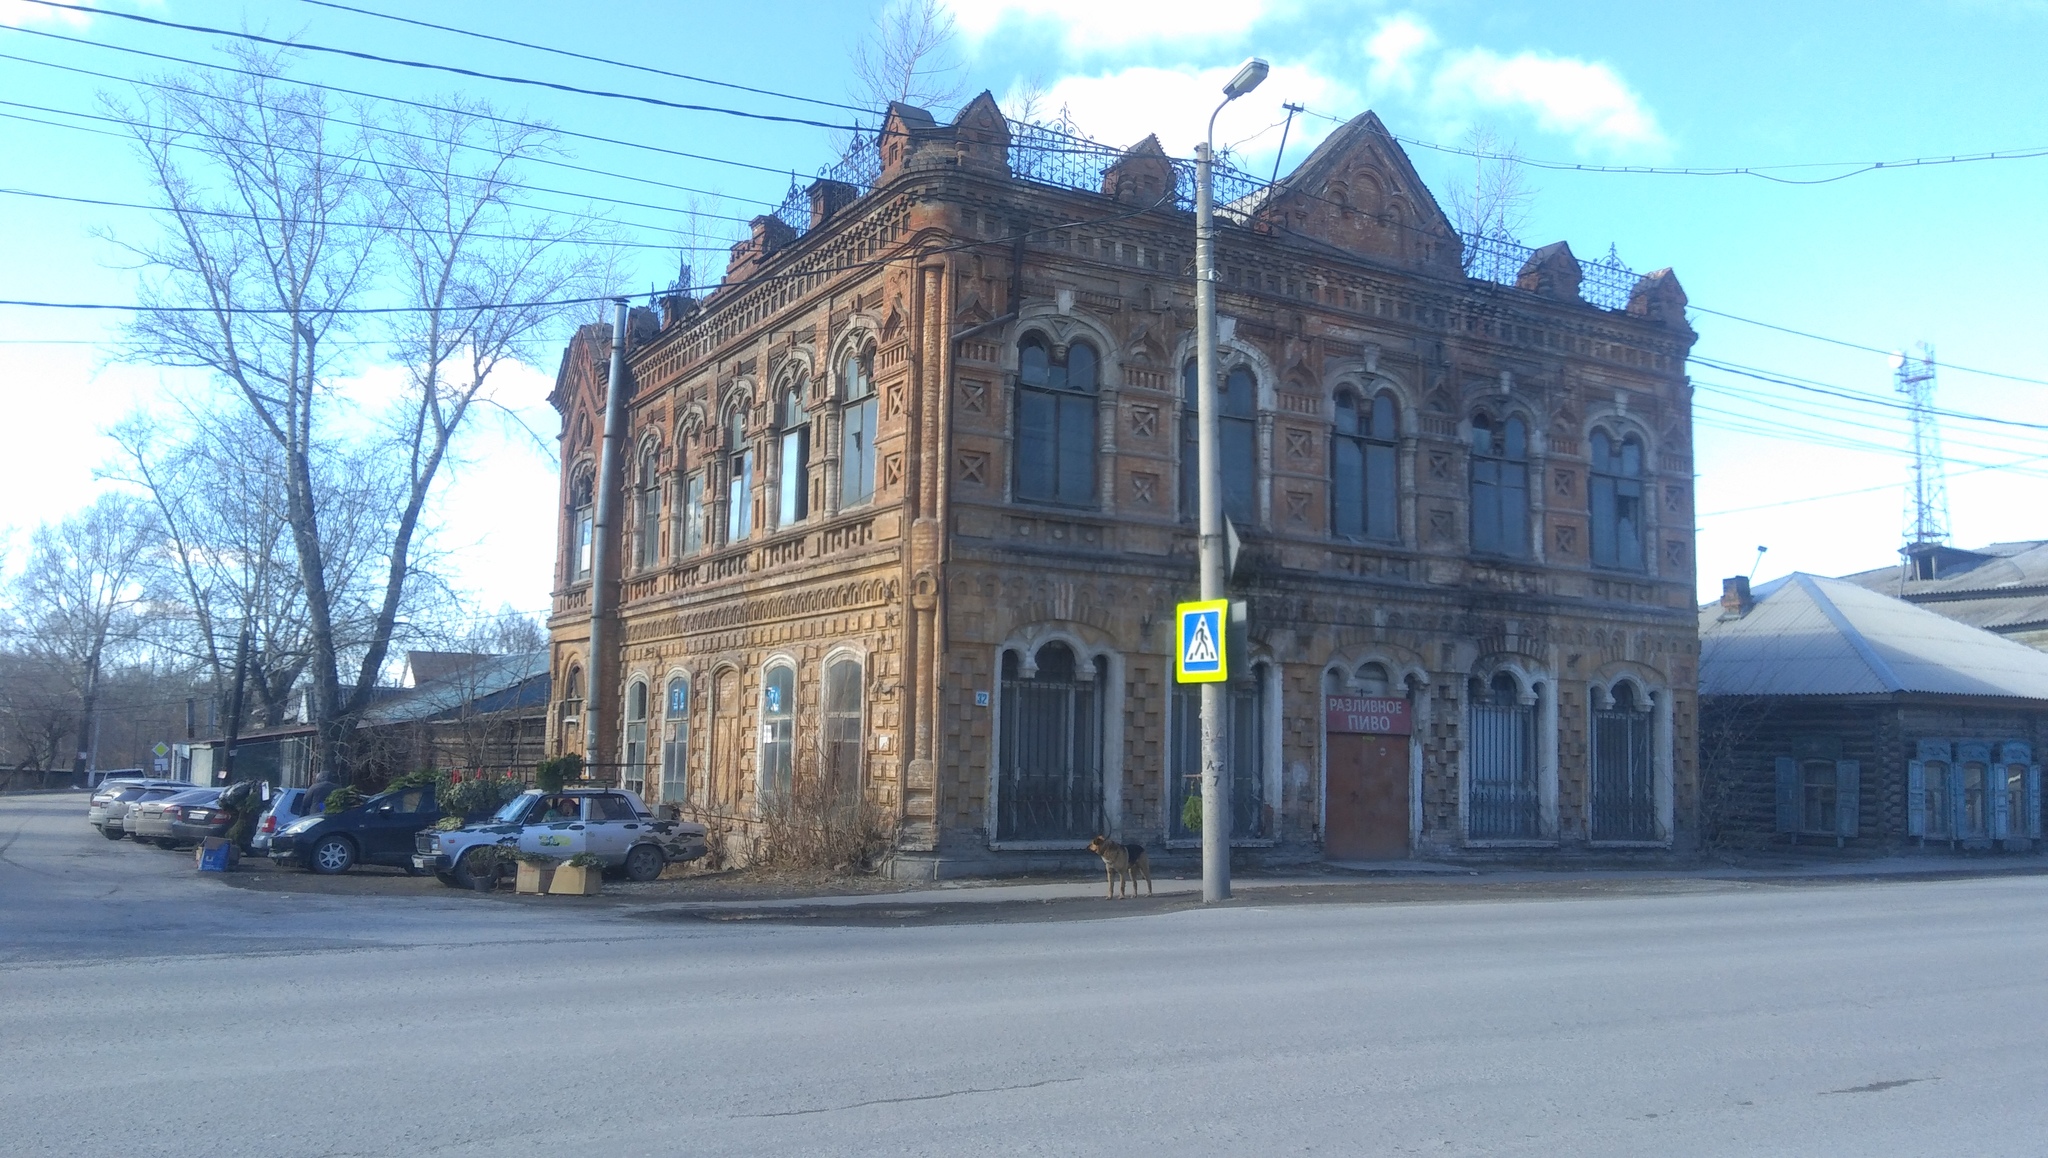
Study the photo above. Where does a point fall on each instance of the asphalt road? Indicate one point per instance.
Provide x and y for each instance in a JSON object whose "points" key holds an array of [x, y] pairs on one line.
{"points": [[145, 1010]]}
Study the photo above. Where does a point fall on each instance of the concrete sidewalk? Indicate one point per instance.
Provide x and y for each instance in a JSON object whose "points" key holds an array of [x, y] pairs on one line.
{"points": [[1415, 879]]}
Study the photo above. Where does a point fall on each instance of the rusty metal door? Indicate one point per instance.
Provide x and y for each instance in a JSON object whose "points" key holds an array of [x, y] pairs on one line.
{"points": [[1365, 807]]}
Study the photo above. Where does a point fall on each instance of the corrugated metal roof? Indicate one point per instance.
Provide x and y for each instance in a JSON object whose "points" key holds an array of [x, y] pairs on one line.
{"points": [[2002, 587], [464, 687], [1808, 635]]}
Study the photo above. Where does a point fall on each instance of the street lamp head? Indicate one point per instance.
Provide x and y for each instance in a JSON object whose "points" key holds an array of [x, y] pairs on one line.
{"points": [[1247, 78]]}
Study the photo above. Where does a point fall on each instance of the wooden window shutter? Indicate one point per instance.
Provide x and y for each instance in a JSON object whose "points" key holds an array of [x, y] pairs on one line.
{"points": [[1848, 806], [2033, 828], [2001, 802], [1916, 798], [1788, 794]]}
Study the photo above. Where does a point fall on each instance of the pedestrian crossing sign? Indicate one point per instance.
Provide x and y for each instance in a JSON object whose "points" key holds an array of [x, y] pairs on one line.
{"points": [[1199, 655]]}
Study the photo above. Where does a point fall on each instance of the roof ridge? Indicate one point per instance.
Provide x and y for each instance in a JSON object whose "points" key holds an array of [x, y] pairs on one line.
{"points": [[1868, 654]]}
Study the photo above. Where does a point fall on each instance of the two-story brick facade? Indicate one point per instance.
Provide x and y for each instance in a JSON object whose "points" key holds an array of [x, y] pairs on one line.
{"points": [[910, 503]]}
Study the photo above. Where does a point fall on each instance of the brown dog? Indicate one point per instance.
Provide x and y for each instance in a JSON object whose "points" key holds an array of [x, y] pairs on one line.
{"points": [[1124, 863]]}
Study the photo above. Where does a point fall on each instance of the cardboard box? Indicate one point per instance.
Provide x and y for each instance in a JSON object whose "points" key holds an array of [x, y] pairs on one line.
{"points": [[535, 878], [574, 881]]}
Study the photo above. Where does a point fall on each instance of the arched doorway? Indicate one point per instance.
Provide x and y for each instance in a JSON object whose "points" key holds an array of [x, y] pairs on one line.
{"points": [[1367, 794], [1049, 784]]}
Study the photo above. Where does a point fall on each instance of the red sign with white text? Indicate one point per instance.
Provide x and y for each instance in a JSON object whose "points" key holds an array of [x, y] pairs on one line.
{"points": [[1371, 715]]}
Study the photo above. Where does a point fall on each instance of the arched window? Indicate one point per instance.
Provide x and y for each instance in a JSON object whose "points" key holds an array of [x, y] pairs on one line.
{"points": [[675, 742], [582, 542], [1244, 757], [1624, 805], [1049, 785], [1504, 797], [793, 481], [1616, 491], [1364, 485], [569, 715], [778, 734], [844, 730], [633, 776], [1237, 445], [1500, 486], [739, 491], [857, 427], [693, 506], [1055, 444], [647, 542]]}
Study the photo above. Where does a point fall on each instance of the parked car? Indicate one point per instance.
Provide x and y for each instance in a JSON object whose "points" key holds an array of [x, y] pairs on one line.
{"points": [[287, 807], [184, 818], [610, 824], [148, 795], [377, 831], [111, 801]]}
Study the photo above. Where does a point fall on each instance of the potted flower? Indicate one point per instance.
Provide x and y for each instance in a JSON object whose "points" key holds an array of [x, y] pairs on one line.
{"points": [[536, 871], [578, 878]]}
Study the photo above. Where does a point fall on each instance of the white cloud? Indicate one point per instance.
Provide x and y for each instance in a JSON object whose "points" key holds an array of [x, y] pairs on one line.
{"points": [[1096, 25], [1584, 100], [1394, 48], [1120, 108], [18, 13]]}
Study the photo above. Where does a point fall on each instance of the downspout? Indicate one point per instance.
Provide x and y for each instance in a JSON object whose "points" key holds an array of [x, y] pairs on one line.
{"points": [[604, 571]]}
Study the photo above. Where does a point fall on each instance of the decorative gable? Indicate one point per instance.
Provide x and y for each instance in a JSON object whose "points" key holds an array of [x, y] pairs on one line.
{"points": [[1359, 192]]}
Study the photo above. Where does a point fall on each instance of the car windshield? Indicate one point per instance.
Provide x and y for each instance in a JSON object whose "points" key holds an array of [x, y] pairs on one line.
{"points": [[513, 809]]}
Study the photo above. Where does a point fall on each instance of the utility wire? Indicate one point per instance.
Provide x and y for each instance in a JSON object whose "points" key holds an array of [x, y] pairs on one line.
{"points": [[1867, 349], [303, 46], [1854, 396], [768, 92], [1766, 172]]}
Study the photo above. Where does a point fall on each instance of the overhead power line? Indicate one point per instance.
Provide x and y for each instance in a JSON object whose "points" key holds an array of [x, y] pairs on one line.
{"points": [[1797, 333], [432, 66], [768, 92], [1766, 172]]}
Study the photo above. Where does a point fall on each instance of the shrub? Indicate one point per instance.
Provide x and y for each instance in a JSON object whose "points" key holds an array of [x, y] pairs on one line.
{"points": [[549, 775], [821, 831], [584, 860], [1191, 813], [341, 800], [475, 795], [536, 859]]}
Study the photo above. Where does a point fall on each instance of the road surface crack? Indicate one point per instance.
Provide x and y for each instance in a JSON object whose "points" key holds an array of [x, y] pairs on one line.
{"points": [[911, 1098], [1877, 1087]]}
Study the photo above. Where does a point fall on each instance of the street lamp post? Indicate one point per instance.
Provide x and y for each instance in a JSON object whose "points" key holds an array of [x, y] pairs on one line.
{"points": [[1215, 791]]}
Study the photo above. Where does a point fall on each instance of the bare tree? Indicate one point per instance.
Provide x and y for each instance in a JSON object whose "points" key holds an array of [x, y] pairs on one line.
{"points": [[78, 605], [908, 56], [1494, 207], [275, 239]]}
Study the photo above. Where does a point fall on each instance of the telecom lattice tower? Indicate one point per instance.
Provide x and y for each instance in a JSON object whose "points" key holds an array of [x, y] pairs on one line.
{"points": [[1927, 501]]}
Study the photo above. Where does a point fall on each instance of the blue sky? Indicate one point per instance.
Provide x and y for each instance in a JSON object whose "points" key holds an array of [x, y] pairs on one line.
{"points": [[1943, 254]]}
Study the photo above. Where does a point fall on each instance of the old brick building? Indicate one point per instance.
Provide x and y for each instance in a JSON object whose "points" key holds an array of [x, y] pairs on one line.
{"points": [[910, 504]]}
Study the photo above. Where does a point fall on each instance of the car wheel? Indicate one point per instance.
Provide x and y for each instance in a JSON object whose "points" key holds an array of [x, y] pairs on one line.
{"points": [[334, 854], [644, 862], [166, 842], [110, 832], [448, 879], [470, 872]]}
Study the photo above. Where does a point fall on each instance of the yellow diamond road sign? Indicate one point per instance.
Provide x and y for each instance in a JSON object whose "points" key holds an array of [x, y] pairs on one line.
{"points": [[1199, 657]]}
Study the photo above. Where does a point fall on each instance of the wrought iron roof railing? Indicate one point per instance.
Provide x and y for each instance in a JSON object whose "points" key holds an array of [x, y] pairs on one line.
{"points": [[1059, 155]]}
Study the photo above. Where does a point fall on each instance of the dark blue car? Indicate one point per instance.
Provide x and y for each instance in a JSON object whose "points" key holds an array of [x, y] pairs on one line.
{"points": [[377, 831]]}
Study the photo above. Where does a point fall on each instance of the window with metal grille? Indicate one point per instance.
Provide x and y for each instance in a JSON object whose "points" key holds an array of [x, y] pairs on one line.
{"points": [[1500, 486], [1237, 444], [778, 734], [844, 731], [1244, 756], [857, 427], [1616, 493], [1364, 486], [675, 743], [1056, 427], [793, 465], [1049, 782], [1624, 784], [633, 777], [1504, 798]]}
